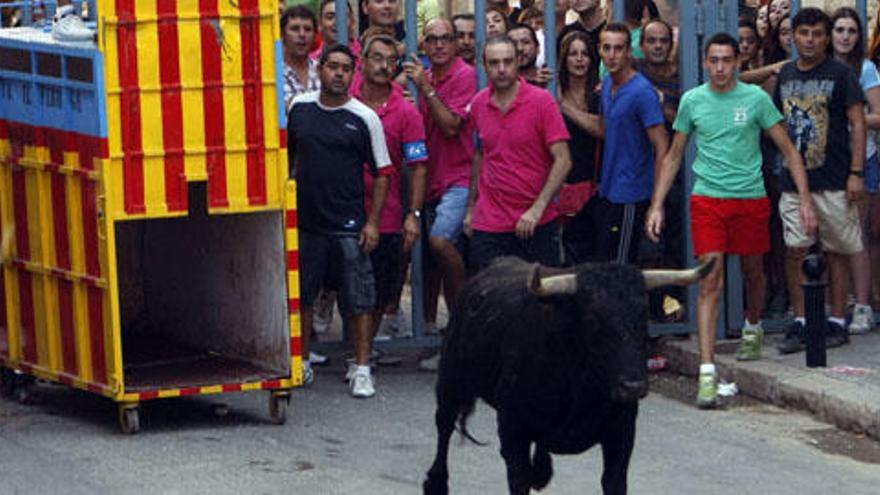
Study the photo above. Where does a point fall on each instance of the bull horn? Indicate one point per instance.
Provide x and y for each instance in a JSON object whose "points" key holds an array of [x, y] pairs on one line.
{"points": [[5, 244], [553, 285], [661, 278]]}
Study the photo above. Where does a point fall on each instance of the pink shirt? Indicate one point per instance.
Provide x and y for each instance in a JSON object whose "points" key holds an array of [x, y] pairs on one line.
{"points": [[450, 161], [405, 137], [516, 155]]}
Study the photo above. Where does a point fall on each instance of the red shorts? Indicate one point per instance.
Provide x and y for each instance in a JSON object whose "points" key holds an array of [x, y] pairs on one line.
{"points": [[730, 225]]}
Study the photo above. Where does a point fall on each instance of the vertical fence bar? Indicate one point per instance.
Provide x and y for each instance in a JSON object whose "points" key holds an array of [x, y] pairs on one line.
{"points": [[342, 22], [550, 42], [416, 274], [480, 23]]}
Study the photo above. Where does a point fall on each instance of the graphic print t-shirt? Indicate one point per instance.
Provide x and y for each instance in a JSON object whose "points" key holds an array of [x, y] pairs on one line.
{"points": [[813, 104]]}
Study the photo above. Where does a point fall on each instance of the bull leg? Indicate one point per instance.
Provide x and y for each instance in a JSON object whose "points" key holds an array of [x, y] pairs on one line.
{"points": [[515, 451], [617, 446], [438, 475]]}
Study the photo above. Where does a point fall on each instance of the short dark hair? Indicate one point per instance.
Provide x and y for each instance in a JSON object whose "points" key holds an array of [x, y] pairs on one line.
{"points": [[371, 38], [298, 12], [655, 21], [619, 27], [527, 28], [722, 39], [498, 39], [336, 48], [748, 23], [811, 16], [633, 10], [461, 17]]}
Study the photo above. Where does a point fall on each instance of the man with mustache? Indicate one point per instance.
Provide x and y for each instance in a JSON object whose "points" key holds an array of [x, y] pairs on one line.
{"points": [[405, 138]]}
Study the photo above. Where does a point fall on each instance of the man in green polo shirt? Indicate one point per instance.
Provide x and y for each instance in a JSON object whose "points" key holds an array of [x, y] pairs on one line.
{"points": [[729, 206]]}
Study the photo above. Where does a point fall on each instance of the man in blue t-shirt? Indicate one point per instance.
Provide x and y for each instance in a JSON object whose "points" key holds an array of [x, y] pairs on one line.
{"points": [[635, 143], [330, 137]]}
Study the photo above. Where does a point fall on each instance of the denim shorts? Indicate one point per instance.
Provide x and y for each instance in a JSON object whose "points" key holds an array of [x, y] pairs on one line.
{"points": [[447, 215], [336, 261], [872, 174]]}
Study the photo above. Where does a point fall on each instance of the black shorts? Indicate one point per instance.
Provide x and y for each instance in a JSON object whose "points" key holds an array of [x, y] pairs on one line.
{"points": [[386, 259], [543, 247], [337, 261]]}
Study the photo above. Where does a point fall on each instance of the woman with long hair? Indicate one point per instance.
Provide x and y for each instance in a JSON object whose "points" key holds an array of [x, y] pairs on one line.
{"points": [[579, 102], [847, 41]]}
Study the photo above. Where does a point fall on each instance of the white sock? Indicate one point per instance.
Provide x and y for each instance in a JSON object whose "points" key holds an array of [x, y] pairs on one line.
{"points": [[707, 368], [839, 321], [756, 326], [362, 370], [802, 320]]}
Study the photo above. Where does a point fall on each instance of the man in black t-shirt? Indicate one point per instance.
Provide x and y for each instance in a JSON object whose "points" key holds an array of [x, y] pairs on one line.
{"points": [[822, 103], [330, 137]]}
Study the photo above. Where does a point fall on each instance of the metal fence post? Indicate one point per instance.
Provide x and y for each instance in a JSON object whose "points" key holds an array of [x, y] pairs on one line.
{"points": [[342, 36], [550, 42], [814, 303]]}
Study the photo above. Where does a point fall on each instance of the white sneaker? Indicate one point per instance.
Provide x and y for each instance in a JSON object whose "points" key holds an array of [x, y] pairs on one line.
{"points": [[361, 385], [350, 369], [394, 326], [308, 375], [322, 315], [68, 27], [862, 319], [317, 359], [430, 363]]}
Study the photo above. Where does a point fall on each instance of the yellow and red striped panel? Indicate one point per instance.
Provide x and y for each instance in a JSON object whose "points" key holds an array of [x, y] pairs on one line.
{"points": [[207, 390], [291, 242], [55, 314], [192, 97]]}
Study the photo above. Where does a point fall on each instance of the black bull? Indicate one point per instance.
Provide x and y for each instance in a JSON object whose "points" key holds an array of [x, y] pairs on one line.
{"points": [[561, 356]]}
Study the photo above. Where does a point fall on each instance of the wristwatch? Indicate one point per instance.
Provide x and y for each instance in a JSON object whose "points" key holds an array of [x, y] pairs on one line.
{"points": [[857, 173], [416, 212]]}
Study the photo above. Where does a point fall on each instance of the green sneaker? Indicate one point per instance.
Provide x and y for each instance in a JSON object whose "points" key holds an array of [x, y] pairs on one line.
{"points": [[707, 393], [751, 345]]}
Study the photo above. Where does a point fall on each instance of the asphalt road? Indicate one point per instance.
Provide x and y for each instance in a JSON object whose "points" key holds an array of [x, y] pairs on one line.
{"points": [[333, 444]]}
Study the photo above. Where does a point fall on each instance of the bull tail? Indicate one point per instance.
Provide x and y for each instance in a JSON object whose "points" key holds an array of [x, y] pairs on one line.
{"points": [[465, 410]]}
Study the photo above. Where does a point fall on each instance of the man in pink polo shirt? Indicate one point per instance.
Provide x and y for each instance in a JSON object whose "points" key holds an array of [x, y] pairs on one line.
{"points": [[405, 138], [521, 162], [445, 89]]}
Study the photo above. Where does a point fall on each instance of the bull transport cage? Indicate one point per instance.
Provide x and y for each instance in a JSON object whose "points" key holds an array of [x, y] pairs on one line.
{"points": [[144, 175]]}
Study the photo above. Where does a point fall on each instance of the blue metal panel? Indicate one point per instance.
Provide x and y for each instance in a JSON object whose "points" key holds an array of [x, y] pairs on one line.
{"points": [[54, 102], [279, 85]]}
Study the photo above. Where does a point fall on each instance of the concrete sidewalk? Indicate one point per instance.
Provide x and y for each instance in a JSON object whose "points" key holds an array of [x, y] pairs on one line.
{"points": [[846, 393]]}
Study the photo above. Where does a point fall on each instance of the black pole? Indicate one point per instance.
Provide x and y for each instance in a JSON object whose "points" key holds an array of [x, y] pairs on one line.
{"points": [[814, 303]]}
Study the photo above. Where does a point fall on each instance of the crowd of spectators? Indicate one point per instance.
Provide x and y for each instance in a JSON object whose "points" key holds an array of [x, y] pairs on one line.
{"points": [[512, 170]]}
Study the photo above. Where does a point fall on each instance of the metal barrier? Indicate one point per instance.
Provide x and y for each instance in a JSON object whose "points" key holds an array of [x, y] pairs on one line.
{"points": [[43, 8]]}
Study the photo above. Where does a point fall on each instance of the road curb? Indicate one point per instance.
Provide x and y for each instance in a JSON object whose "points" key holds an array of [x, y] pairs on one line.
{"points": [[851, 406]]}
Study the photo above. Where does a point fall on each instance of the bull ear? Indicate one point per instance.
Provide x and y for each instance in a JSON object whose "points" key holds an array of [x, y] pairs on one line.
{"points": [[661, 278], [552, 285]]}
